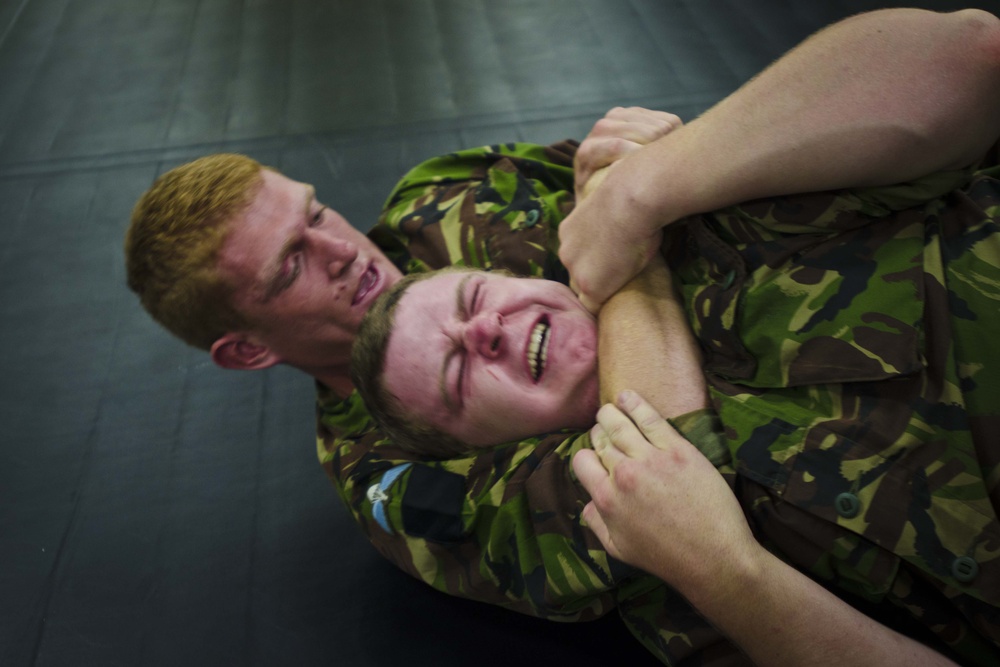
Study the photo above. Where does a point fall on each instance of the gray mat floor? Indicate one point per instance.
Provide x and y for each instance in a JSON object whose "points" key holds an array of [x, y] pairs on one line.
{"points": [[155, 510]]}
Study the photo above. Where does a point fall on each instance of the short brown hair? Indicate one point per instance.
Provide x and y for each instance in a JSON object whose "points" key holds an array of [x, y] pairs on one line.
{"points": [[405, 428], [173, 241]]}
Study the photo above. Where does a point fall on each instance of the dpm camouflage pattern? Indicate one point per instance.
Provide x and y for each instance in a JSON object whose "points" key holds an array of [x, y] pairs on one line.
{"points": [[496, 207], [850, 343], [503, 525]]}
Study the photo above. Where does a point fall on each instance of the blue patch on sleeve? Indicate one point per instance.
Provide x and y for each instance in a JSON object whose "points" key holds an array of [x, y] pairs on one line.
{"points": [[378, 495]]}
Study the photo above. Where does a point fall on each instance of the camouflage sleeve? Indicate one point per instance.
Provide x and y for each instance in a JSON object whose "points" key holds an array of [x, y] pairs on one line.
{"points": [[500, 525], [503, 526], [658, 616], [855, 372], [841, 210]]}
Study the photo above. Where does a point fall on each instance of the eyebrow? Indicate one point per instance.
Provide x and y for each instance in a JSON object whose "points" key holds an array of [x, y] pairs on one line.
{"points": [[273, 283], [463, 314]]}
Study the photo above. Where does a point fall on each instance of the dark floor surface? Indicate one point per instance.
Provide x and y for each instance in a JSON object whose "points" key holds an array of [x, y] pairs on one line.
{"points": [[155, 510]]}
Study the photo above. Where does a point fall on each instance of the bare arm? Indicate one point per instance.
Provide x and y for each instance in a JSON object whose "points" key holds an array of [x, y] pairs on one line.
{"points": [[645, 343], [876, 99], [664, 508]]}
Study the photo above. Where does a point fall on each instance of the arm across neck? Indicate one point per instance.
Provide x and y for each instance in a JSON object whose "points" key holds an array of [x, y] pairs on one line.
{"points": [[645, 344]]}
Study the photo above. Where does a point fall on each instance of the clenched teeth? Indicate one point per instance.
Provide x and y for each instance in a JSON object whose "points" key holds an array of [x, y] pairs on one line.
{"points": [[538, 349]]}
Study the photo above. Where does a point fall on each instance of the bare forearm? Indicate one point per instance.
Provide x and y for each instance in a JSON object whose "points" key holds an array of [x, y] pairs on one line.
{"points": [[880, 98], [781, 617], [645, 344]]}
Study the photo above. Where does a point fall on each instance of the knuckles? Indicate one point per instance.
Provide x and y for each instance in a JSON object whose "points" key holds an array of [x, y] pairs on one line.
{"points": [[602, 499], [627, 476]]}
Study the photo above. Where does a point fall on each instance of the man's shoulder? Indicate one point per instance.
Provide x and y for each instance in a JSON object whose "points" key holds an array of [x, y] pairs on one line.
{"points": [[349, 441], [472, 163], [450, 522], [495, 207], [353, 448]]}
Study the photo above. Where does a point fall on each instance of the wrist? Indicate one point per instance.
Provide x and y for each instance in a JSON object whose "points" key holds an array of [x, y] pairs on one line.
{"points": [[739, 573], [639, 190], [585, 189]]}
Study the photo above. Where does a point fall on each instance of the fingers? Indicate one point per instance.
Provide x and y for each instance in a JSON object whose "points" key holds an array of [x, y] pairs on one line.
{"points": [[648, 124], [594, 477], [594, 157], [605, 260], [589, 469], [586, 300], [650, 423], [590, 304], [593, 301], [621, 131], [594, 277], [608, 451], [596, 523], [588, 181], [622, 436], [598, 152], [639, 131], [642, 114], [629, 429]]}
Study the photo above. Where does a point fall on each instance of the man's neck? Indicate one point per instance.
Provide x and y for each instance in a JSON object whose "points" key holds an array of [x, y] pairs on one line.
{"points": [[338, 379]]}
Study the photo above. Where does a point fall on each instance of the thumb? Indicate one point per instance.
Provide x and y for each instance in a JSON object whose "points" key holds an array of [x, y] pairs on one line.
{"points": [[590, 304]]}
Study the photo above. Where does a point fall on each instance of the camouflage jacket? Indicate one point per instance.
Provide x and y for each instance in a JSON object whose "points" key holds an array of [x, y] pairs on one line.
{"points": [[503, 525], [849, 349]]}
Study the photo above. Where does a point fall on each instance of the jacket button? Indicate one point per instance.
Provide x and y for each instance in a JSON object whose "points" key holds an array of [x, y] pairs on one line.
{"points": [[964, 569], [847, 505], [531, 218], [727, 280]]}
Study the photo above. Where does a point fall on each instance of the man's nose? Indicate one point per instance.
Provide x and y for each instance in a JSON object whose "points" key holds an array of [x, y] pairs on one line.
{"points": [[338, 254], [484, 334]]}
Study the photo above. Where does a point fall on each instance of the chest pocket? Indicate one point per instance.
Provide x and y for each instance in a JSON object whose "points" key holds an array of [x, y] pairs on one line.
{"points": [[881, 488], [775, 309]]}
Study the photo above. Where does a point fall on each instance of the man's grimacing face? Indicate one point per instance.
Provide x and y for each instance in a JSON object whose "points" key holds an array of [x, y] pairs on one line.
{"points": [[305, 277], [488, 358]]}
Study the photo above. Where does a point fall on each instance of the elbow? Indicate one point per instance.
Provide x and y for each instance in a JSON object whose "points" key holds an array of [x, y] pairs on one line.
{"points": [[965, 120], [976, 34], [977, 21]]}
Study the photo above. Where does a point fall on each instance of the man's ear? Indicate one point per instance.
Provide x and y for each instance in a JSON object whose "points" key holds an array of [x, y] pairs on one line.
{"points": [[238, 352]]}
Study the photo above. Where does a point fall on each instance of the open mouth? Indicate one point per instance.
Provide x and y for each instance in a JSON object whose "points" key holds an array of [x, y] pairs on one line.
{"points": [[538, 348], [369, 279]]}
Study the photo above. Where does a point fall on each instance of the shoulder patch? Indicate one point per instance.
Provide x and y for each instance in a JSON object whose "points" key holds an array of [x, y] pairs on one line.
{"points": [[378, 495]]}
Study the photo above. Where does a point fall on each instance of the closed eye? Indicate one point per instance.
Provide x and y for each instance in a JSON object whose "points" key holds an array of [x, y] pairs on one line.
{"points": [[317, 217], [292, 273], [454, 379], [474, 306], [460, 385]]}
